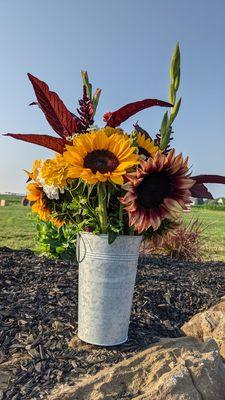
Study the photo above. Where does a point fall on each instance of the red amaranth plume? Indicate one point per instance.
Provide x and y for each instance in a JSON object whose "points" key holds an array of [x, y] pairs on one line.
{"points": [[86, 111]]}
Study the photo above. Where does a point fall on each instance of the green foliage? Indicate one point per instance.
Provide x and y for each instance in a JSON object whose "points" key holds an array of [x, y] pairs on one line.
{"points": [[165, 131], [55, 242], [80, 207], [167, 121], [18, 231], [210, 206], [12, 199], [214, 220]]}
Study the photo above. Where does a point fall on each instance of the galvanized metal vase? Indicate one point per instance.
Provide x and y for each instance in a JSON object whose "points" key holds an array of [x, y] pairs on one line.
{"points": [[106, 283]]}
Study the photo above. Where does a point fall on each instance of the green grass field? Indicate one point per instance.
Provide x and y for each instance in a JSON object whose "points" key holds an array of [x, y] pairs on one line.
{"points": [[17, 229], [214, 233]]}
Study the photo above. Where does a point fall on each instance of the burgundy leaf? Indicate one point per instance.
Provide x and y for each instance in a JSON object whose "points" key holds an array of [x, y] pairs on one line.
{"points": [[56, 144], [209, 179], [59, 117], [122, 114], [200, 191]]}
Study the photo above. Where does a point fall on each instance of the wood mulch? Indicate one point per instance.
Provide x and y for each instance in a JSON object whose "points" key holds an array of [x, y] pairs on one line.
{"points": [[38, 317]]}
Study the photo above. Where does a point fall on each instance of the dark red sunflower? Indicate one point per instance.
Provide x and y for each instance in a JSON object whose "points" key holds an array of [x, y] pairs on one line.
{"points": [[159, 189]]}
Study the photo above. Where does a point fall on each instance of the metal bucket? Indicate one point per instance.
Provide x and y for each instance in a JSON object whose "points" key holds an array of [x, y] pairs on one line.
{"points": [[106, 283]]}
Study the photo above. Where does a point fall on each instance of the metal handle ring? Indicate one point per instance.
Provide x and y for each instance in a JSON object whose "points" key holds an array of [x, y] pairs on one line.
{"points": [[79, 237]]}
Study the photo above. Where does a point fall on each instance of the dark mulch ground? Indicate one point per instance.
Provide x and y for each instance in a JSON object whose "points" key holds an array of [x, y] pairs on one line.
{"points": [[38, 316]]}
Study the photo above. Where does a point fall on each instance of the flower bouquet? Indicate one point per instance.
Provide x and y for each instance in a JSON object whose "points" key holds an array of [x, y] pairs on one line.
{"points": [[115, 188]]}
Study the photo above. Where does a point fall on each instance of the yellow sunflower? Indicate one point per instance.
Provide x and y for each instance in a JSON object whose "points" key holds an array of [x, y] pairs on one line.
{"points": [[35, 195], [97, 157], [146, 146], [34, 192], [57, 222]]}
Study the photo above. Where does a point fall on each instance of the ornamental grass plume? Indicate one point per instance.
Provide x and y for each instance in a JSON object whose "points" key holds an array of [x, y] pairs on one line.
{"points": [[185, 242]]}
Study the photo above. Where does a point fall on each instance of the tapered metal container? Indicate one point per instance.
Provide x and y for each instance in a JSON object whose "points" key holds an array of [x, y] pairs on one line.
{"points": [[106, 283]]}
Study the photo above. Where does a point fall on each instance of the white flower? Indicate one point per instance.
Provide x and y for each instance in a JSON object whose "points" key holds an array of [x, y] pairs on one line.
{"points": [[52, 192]]}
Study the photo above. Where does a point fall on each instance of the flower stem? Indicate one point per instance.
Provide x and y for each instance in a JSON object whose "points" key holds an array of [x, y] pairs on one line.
{"points": [[121, 218], [102, 207]]}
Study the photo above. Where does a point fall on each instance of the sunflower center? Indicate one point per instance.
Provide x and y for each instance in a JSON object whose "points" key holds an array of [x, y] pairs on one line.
{"points": [[153, 189], [101, 161]]}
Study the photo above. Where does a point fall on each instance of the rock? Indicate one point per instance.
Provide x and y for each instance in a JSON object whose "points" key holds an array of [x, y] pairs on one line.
{"points": [[209, 324], [174, 369]]}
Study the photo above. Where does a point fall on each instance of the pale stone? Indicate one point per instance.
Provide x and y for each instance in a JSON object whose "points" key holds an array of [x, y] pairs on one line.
{"points": [[209, 324], [175, 369]]}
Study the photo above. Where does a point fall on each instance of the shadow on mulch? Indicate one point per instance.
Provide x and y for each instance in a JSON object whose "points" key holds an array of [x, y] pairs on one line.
{"points": [[38, 317]]}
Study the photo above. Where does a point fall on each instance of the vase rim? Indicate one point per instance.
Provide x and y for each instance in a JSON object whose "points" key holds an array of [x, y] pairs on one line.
{"points": [[106, 234]]}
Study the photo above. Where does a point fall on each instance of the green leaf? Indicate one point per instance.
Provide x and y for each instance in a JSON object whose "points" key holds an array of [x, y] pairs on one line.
{"points": [[164, 123], [165, 132], [112, 237], [165, 140], [59, 249]]}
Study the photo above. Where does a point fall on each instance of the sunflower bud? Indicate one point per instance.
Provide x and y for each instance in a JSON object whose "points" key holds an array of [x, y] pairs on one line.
{"points": [[175, 64], [86, 83], [177, 82], [172, 94], [95, 99], [175, 110]]}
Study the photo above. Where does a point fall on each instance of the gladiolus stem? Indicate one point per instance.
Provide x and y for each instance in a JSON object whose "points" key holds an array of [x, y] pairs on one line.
{"points": [[102, 207]]}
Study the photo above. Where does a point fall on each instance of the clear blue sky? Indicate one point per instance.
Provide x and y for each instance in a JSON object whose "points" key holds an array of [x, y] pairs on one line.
{"points": [[126, 47]]}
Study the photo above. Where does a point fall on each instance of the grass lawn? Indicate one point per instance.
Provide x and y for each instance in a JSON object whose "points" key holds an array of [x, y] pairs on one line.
{"points": [[17, 230], [214, 221]]}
